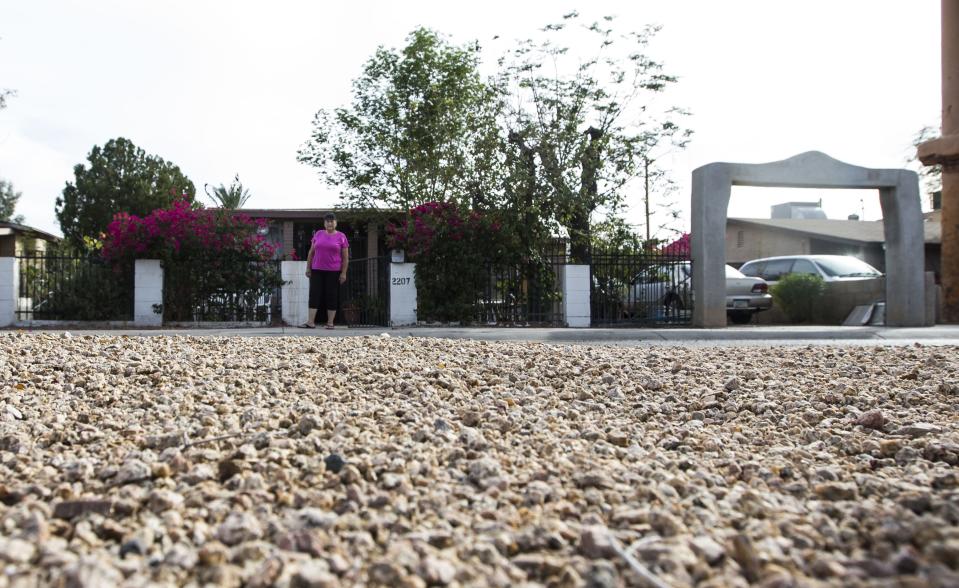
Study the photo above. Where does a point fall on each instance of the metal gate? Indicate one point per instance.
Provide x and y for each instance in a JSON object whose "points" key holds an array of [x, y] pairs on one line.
{"points": [[73, 288], [239, 292], [647, 289], [365, 297]]}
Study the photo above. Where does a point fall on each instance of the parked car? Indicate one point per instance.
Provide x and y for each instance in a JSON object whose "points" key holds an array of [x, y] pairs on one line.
{"points": [[831, 268], [668, 288]]}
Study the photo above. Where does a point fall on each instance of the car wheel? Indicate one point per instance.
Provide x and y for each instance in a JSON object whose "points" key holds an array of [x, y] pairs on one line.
{"points": [[741, 318]]}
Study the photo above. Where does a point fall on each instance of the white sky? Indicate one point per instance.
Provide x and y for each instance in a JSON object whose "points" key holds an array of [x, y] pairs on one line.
{"points": [[220, 87]]}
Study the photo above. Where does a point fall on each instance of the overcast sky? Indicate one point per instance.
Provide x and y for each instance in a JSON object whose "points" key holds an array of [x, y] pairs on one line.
{"points": [[220, 87]]}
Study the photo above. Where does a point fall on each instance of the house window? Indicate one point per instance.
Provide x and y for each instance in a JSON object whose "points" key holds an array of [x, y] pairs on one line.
{"points": [[740, 239]]}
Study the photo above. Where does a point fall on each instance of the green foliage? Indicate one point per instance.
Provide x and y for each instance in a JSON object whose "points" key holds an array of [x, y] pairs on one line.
{"points": [[64, 284], [421, 128], [229, 287], [931, 175], [229, 197], [4, 94], [584, 128], [121, 177], [613, 234], [453, 253], [799, 295], [8, 202]]}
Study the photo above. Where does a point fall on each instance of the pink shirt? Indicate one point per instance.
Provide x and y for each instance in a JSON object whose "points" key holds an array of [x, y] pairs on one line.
{"points": [[326, 250]]}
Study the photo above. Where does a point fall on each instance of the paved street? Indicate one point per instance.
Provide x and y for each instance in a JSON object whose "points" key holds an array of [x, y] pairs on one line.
{"points": [[750, 335]]}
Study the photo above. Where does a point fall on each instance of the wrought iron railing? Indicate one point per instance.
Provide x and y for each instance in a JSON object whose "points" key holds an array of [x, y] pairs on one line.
{"points": [[73, 288], [521, 296], [246, 291], [640, 289], [365, 297]]}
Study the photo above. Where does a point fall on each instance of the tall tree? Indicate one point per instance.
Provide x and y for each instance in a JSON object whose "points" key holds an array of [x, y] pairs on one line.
{"points": [[230, 197], [121, 177], [8, 203], [931, 175], [590, 123], [421, 128]]}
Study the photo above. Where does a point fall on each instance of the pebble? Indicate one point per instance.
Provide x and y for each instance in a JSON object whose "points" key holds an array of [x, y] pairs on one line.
{"points": [[473, 463]]}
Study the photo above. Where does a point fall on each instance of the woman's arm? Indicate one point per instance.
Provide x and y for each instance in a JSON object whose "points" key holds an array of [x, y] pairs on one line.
{"points": [[309, 260], [345, 256]]}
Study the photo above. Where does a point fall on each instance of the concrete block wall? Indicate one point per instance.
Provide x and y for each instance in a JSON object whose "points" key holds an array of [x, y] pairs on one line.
{"points": [[148, 293], [575, 283], [402, 294], [9, 290], [295, 297]]}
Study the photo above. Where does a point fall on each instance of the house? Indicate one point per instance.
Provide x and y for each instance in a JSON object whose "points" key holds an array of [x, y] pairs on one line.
{"points": [[753, 238], [17, 239], [293, 228]]}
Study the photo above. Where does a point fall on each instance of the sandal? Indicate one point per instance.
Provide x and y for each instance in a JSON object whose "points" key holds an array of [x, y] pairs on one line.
{"points": [[330, 327], [307, 326]]}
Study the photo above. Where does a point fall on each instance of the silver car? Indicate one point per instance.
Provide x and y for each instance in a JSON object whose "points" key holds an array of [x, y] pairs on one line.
{"points": [[831, 268], [666, 290]]}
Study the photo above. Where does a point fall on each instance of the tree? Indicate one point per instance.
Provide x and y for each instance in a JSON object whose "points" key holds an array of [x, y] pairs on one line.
{"points": [[421, 128], [588, 127], [4, 94], [121, 177], [8, 203], [232, 197], [931, 175]]}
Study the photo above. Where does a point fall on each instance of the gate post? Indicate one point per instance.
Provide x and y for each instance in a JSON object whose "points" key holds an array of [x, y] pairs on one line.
{"points": [[402, 294], [9, 290], [575, 280], [295, 293], [147, 293]]}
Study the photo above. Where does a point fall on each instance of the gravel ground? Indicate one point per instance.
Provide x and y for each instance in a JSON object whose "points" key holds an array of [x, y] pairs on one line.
{"points": [[309, 462]]}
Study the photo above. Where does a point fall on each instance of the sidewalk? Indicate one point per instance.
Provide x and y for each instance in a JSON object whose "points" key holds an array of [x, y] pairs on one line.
{"points": [[750, 335]]}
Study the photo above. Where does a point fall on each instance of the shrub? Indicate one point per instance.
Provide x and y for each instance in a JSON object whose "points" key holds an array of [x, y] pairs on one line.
{"points": [[213, 258], [799, 295], [451, 252]]}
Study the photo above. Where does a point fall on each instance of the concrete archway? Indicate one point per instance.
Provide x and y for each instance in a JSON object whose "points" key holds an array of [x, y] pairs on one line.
{"points": [[901, 212]]}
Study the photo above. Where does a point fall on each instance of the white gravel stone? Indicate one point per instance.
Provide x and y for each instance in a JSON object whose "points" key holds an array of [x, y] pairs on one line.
{"points": [[414, 461]]}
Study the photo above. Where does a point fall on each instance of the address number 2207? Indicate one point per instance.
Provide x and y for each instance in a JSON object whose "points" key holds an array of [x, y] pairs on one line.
{"points": [[400, 281]]}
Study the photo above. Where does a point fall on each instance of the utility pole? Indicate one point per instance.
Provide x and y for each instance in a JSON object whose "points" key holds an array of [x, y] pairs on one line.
{"points": [[646, 177], [944, 151]]}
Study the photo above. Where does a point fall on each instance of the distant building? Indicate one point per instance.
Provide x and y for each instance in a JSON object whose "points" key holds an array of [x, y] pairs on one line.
{"points": [[292, 230], [753, 238], [811, 210], [17, 239]]}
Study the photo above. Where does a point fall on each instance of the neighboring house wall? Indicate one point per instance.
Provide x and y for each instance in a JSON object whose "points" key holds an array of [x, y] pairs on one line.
{"points": [[744, 243]]}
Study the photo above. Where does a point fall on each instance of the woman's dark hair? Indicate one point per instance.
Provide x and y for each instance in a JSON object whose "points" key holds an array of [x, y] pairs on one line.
{"points": [[329, 216]]}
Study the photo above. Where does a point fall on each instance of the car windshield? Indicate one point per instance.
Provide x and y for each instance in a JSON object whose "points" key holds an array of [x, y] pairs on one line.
{"points": [[846, 267]]}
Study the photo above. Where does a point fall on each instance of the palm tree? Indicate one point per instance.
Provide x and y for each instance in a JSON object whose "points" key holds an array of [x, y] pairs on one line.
{"points": [[232, 197]]}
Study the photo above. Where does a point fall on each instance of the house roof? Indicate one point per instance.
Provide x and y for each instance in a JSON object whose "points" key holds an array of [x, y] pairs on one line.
{"points": [[8, 228], [838, 230], [298, 213]]}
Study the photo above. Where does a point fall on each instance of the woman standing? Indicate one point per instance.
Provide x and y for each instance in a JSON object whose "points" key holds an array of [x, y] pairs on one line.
{"points": [[326, 266]]}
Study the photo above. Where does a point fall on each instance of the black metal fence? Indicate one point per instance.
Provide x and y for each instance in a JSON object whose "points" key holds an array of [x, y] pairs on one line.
{"points": [[236, 292], [73, 288], [525, 295], [365, 297], [640, 289]]}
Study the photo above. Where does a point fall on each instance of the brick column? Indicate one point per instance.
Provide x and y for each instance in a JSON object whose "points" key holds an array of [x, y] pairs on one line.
{"points": [[295, 297], [575, 282], [148, 293], [9, 290]]}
